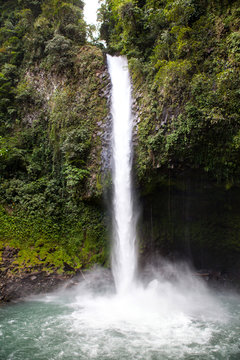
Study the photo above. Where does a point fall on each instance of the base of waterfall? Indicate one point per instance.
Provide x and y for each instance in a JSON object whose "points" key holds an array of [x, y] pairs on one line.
{"points": [[168, 314], [16, 285]]}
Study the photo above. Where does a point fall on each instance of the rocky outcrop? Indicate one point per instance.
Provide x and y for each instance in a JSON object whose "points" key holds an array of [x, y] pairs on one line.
{"points": [[19, 283]]}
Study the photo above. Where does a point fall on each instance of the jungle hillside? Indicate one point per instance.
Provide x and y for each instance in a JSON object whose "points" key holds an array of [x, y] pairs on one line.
{"points": [[184, 59]]}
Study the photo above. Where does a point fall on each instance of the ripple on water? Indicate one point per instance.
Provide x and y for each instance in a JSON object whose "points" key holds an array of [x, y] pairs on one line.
{"points": [[162, 321]]}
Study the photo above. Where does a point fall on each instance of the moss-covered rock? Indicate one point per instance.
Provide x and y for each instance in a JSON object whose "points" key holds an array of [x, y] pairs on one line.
{"points": [[183, 57], [53, 147]]}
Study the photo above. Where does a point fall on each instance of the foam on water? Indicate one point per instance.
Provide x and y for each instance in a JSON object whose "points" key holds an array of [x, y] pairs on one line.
{"points": [[163, 319], [167, 315]]}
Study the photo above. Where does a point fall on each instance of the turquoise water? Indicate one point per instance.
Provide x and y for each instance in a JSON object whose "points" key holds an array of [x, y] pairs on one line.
{"points": [[181, 319]]}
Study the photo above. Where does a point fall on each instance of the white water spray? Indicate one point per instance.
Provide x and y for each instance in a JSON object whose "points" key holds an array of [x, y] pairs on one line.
{"points": [[124, 258], [170, 315]]}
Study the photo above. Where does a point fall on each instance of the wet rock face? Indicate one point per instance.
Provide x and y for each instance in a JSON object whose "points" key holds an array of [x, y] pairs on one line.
{"points": [[104, 126], [192, 219], [26, 282], [29, 284]]}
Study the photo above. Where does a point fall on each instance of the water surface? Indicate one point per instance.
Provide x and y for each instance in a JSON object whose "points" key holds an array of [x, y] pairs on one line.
{"points": [[162, 319]]}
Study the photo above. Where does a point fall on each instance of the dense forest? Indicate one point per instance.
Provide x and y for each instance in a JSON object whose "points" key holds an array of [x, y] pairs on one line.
{"points": [[51, 86], [184, 58]]}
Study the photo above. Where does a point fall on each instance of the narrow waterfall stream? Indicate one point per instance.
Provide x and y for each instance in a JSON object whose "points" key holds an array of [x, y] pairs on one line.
{"points": [[124, 255], [171, 315]]}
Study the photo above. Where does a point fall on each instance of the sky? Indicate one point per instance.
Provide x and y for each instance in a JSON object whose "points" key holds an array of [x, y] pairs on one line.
{"points": [[90, 11]]}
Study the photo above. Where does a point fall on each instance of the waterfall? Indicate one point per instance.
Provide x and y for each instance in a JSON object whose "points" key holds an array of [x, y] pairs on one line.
{"points": [[124, 258]]}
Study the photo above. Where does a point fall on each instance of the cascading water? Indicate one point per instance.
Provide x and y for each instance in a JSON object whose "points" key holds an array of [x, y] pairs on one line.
{"points": [[124, 258], [172, 316]]}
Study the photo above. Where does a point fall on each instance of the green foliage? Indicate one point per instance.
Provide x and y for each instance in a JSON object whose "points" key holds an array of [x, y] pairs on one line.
{"points": [[74, 179], [54, 247], [184, 60], [3, 147], [76, 146], [58, 50], [44, 31], [49, 107]]}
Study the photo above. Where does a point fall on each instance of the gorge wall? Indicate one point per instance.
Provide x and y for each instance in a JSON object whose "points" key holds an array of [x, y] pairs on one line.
{"points": [[184, 60], [55, 132], [54, 140]]}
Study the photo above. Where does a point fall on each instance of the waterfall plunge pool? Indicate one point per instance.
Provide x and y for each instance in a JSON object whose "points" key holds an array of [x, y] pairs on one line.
{"points": [[163, 319], [169, 315]]}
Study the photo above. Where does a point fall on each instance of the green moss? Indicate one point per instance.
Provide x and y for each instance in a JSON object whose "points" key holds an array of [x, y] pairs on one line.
{"points": [[68, 245], [183, 57], [50, 104]]}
